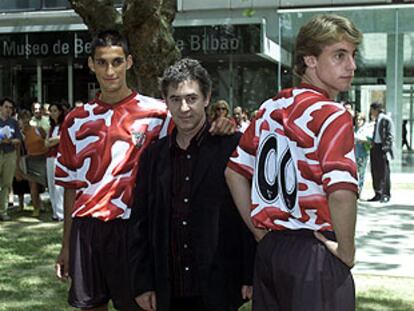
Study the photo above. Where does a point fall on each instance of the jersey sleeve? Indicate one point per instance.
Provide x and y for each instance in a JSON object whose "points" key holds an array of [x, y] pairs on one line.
{"points": [[243, 158], [336, 153], [66, 174]]}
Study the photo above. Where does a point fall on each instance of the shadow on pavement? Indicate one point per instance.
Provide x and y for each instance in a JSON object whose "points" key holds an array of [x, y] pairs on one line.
{"points": [[385, 239]]}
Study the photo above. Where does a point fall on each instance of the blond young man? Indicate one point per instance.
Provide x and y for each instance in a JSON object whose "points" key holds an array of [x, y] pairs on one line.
{"points": [[293, 178]]}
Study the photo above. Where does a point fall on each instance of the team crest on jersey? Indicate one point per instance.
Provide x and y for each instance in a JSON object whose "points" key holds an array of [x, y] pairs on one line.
{"points": [[138, 138]]}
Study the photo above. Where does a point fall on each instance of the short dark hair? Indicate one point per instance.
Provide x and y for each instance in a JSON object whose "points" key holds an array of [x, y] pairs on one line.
{"points": [[7, 99], [109, 37], [184, 70], [377, 106]]}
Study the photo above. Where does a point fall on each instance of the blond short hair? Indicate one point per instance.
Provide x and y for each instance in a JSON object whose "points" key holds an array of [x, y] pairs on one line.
{"points": [[320, 31]]}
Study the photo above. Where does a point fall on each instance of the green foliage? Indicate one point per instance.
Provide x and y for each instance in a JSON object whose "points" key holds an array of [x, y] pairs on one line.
{"points": [[249, 12]]}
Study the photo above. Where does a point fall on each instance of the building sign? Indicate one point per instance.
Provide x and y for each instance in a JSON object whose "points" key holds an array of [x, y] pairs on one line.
{"points": [[45, 44], [221, 39]]}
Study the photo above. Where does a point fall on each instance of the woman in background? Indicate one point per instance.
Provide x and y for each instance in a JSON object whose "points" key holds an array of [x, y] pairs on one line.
{"points": [[57, 115], [218, 109], [363, 138], [34, 141]]}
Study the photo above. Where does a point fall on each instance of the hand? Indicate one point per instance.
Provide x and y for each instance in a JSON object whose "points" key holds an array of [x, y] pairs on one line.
{"points": [[19, 175], [15, 141], [333, 247], [62, 264], [147, 301], [247, 292], [223, 126]]}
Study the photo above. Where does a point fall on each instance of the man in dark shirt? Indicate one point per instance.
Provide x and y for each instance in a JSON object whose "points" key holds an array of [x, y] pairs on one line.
{"points": [[188, 247], [10, 137], [381, 152]]}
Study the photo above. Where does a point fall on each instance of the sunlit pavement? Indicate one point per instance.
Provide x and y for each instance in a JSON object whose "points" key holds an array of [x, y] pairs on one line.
{"points": [[385, 232]]}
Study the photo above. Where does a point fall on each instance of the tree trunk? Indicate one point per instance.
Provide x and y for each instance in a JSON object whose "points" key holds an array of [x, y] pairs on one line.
{"points": [[148, 26]]}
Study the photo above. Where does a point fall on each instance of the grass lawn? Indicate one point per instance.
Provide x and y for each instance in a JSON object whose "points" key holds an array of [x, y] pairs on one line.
{"points": [[29, 246]]}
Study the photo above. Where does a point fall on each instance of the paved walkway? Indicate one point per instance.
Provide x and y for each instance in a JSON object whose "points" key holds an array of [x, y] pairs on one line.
{"points": [[385, 232]]}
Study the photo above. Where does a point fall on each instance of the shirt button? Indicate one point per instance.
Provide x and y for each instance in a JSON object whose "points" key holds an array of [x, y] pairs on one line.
{"points": [[188, 156], [185, 200], [187, 178], [187, 268], [184, 223]]}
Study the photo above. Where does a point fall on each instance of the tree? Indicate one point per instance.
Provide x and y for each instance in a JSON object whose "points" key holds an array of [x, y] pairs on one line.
{"points": [[148, 26]]}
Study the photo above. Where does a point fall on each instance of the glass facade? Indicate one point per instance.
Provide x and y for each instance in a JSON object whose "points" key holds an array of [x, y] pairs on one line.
{"points": [[34, 5], [230, 53], [385, 63]]}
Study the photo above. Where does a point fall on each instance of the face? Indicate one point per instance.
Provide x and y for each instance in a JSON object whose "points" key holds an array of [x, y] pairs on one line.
{"points": [[333, 70], [373, 113], [221, 111], [24, 121], [360, 121], [187, 105], [237, 114], [110, 65], [37, 110], [54, 112], [6, 109]]}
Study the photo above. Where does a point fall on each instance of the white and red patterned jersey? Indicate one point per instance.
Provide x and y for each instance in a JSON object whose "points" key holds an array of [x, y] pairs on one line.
{"points": [[100, 149], [298, 149]]}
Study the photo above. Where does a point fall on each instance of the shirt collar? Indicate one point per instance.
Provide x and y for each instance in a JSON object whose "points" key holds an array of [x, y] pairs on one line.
{"points": [[195, 141], [310, 86]]}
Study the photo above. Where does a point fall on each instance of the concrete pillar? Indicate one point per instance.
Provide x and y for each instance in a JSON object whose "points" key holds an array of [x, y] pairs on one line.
{"points": [[39, 81], [394, 97]]}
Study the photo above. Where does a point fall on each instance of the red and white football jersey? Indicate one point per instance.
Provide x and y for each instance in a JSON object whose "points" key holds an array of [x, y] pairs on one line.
{"points": [[99, 152], [299, 149]]}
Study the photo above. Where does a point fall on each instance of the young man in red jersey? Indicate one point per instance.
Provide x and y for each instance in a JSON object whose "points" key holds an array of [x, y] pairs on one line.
{"points": [[293, 178], [101, 144]]}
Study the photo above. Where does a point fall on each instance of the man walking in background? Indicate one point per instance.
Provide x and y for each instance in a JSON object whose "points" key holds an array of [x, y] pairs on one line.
{"points": [[381, 152]]}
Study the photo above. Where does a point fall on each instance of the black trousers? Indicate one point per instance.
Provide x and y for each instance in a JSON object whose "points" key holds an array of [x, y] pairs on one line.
{"points": [[187, 303], [295, 272], [380, 171]]}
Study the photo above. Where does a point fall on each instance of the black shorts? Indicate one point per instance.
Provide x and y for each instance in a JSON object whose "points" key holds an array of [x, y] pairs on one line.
{"points": [[295, 272], [98, 264]]}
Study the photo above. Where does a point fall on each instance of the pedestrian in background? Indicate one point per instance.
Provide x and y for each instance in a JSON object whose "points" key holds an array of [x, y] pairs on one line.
{"points": [[219, 109], [35, 161], [363, 140], [10, 139], [381, 153], [57, 115], [39, 118]]}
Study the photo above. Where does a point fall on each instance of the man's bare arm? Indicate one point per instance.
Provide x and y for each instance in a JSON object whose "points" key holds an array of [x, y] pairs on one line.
{"points": [[62, 262], [343, 208], [240, 189]]}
